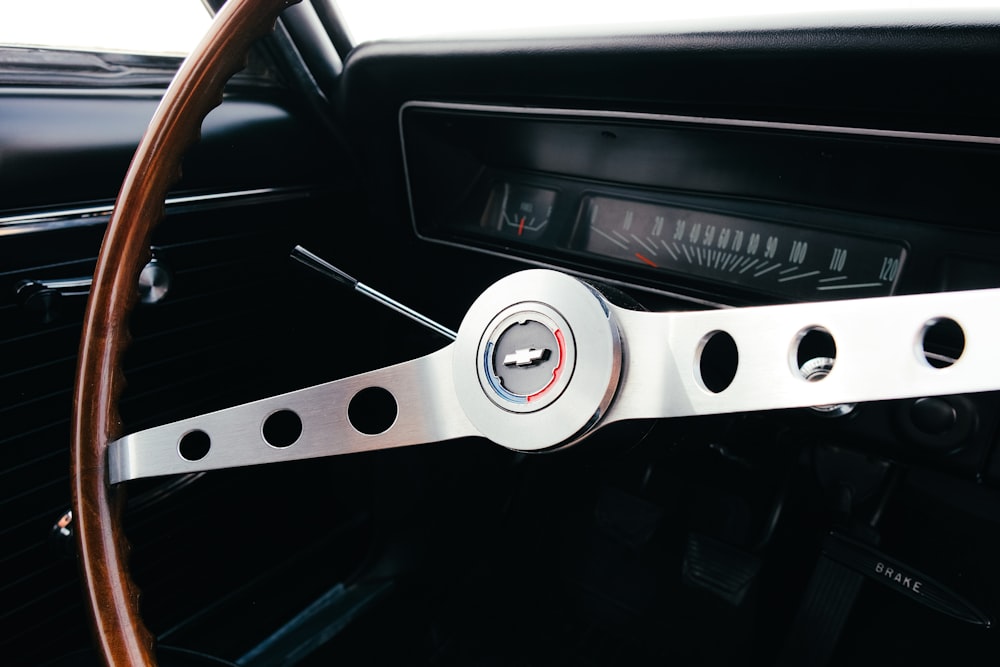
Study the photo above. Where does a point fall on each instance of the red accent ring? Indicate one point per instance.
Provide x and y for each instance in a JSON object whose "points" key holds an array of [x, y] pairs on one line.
{"points": [[555, 371]]}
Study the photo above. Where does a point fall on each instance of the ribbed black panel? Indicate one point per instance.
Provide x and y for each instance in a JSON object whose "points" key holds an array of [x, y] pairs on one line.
{"points": [[232, 328]]}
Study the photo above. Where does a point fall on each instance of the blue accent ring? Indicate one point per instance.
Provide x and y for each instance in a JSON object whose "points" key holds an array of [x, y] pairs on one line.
{"points": [[495, 381]]}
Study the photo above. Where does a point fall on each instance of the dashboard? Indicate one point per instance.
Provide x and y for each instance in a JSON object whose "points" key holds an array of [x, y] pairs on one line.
{"points": [[689, 212], [716, 211]]}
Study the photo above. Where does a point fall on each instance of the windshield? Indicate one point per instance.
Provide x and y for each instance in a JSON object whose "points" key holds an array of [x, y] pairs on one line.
{"points": [[368, 20], [161, 27]]}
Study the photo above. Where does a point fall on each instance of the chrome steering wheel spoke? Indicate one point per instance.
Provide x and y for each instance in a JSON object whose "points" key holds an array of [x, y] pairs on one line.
{"points": [[542, 359], [879, 354], [307, 423]]}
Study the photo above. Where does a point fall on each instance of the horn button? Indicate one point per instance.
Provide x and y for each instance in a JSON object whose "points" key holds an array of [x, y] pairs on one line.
{"points": [[537, 361], [527, 360]]}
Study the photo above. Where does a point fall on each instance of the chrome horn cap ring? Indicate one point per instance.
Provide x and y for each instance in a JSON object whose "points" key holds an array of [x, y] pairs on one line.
{"points": [[537, 360]]}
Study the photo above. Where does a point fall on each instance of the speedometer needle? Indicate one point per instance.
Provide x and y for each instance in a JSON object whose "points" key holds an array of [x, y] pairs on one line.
{"points": [[645, 260], [520, 227]]}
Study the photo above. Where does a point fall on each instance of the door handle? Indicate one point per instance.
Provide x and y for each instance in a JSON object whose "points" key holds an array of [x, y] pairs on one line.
{"points": [[42, 298]]}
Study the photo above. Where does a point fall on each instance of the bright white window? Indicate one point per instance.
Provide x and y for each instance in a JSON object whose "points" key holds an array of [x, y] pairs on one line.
{"points": [[406, 19], [156, 27]]}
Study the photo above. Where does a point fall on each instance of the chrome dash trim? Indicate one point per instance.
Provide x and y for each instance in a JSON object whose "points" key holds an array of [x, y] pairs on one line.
{"points": [[701, 120], [90, 215]]}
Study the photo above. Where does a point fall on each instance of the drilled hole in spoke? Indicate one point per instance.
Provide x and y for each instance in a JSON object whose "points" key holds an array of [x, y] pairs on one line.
{"points": [[718, 359], [942, 342], [194, 445], [282, 428], [813, 353], [372, 411]]}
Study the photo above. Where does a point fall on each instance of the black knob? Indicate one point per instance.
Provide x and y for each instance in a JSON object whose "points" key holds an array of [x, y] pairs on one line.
{"points": [[40, 301], [939, 425], [933, 416]]}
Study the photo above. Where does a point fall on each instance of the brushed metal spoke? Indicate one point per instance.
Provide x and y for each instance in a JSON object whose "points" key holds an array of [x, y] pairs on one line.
{"points": [[653, 372], [878, 354], [428, 411]]}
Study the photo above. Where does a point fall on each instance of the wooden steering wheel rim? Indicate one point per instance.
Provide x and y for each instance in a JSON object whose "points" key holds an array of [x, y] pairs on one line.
{"points": [[111, 599]]}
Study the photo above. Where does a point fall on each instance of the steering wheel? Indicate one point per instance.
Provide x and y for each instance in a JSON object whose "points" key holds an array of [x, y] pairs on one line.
{"points": [[541, 360], [111, 597]]}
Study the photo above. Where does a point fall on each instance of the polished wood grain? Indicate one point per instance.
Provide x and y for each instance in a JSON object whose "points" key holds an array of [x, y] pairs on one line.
{"points": [[112, 599]]}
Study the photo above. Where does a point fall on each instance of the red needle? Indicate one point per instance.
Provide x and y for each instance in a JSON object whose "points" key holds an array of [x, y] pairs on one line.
{"points": [[646, 260], [520, 227]]}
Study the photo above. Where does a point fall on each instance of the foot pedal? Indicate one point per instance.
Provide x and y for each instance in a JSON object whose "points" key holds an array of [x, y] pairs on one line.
{"points": [[719, 568], [827, 603], [903, 579], [842, 568]]}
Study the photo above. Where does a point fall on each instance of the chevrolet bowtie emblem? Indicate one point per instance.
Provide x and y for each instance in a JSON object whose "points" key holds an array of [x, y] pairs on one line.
{"points": [[528, 356]]}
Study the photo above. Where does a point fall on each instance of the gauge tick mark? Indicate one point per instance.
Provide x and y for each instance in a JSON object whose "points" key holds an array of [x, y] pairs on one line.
{"points": [[601, 232], [645, 245], [826, 288], [767, 270], [797, 276]]}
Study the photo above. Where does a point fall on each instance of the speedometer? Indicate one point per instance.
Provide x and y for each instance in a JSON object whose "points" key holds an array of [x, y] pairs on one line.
{"points": [[788, 260]]}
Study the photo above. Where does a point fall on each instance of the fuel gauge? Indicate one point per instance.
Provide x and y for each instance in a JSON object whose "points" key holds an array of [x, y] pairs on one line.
{"points": [[518, 211]]}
